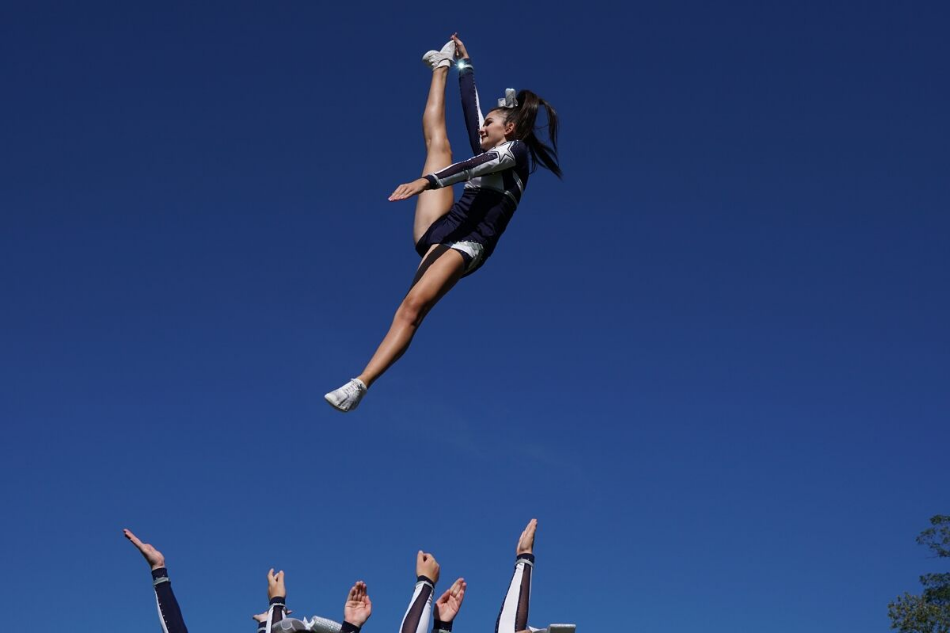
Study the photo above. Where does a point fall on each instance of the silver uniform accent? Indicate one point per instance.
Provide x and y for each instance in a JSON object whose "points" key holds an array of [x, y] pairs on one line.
{"points": [[495, 180], [315, 624], [555, 628], [518, 182], [474, 250]]}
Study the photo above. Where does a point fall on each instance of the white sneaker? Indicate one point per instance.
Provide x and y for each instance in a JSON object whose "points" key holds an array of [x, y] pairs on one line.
{"points": [[441, 58], [347, 397]]}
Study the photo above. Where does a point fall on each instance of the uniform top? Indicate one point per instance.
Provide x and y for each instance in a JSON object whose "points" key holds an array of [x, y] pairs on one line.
{"points": [[495, 179]]}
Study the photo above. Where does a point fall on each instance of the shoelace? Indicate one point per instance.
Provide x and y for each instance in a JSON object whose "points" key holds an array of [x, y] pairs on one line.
{"points": [[351, 388]]}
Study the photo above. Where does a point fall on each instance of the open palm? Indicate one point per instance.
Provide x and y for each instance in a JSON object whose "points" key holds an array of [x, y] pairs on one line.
{"points": [[526, 542], [152, 555], [447, 606], [358, 606]]}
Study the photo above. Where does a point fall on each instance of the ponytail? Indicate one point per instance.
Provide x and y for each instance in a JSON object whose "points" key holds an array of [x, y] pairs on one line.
{"points": [[525, 116]]}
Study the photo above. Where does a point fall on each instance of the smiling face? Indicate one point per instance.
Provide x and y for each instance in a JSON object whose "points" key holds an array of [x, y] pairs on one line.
{"points": [[494, 130]]}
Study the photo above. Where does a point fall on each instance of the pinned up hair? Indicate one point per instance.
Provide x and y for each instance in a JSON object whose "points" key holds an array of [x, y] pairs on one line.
{"points": [[525, 116]]}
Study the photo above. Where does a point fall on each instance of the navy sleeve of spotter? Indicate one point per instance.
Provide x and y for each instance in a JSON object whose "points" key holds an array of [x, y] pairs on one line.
{"points": [[275, 610], [442, 627], [471, 109], [349, 627], [278, 604], [168, 611]]}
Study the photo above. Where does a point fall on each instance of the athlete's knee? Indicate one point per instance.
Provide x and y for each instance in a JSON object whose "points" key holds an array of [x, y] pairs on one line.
{"points": [[413, 309], [438, 143]]}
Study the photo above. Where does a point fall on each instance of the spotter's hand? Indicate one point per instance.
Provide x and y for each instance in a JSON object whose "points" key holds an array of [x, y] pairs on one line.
{"points": [[427, 566], [447, 607], [409, 189], [526, 542], [275, 585], [358, 606], [152, 556]]}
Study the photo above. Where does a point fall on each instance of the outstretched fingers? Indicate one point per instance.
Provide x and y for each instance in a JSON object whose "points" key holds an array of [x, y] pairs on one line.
{"points": [[151, 555], [455, 593], [409, 189], [132, 537], [526, 542], [401, 193], [358, 606], [450, 602]]}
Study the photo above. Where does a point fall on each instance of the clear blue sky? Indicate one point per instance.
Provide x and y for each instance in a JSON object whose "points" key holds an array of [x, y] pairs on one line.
{"points": [[712, 361]]}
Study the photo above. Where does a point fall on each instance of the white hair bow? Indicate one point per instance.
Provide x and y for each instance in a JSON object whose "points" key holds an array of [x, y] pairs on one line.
{"points": [[509, 101]]}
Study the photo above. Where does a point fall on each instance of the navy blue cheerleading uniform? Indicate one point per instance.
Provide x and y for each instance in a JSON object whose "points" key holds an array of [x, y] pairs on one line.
{"points": [[496, 180]]}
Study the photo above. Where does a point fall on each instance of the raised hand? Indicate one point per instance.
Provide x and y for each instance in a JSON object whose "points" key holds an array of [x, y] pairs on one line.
{"points": [[275, 585], [526, 542], [427, 566], [409, 189], [460, 52], [358, 606], [152, 555], [448, 605]]}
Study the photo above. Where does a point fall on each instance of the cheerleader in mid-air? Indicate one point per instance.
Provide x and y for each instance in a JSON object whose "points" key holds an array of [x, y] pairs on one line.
{"points": [[455, 238]]}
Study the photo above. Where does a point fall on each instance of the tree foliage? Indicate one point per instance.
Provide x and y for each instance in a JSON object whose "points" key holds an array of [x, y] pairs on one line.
{"points": [[930, 611], [937, 536]]}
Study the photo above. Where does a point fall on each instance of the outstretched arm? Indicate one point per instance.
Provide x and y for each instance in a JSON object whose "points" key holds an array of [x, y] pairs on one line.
{"points": [[277, 598], [514, 610], [500, 158], [168, 610], [471, 108], [505, 156], [416, 619]]}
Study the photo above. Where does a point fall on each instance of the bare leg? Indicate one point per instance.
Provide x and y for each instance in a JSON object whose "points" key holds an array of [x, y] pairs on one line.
{"points": [[440, 269], [432, 205]]}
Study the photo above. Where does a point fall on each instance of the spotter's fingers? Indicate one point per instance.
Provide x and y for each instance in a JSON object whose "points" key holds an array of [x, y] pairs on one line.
{"points": [[132, 537]]}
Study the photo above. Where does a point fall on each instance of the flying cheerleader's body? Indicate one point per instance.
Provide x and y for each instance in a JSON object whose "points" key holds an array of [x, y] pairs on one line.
{"points": [[453, 238]]}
